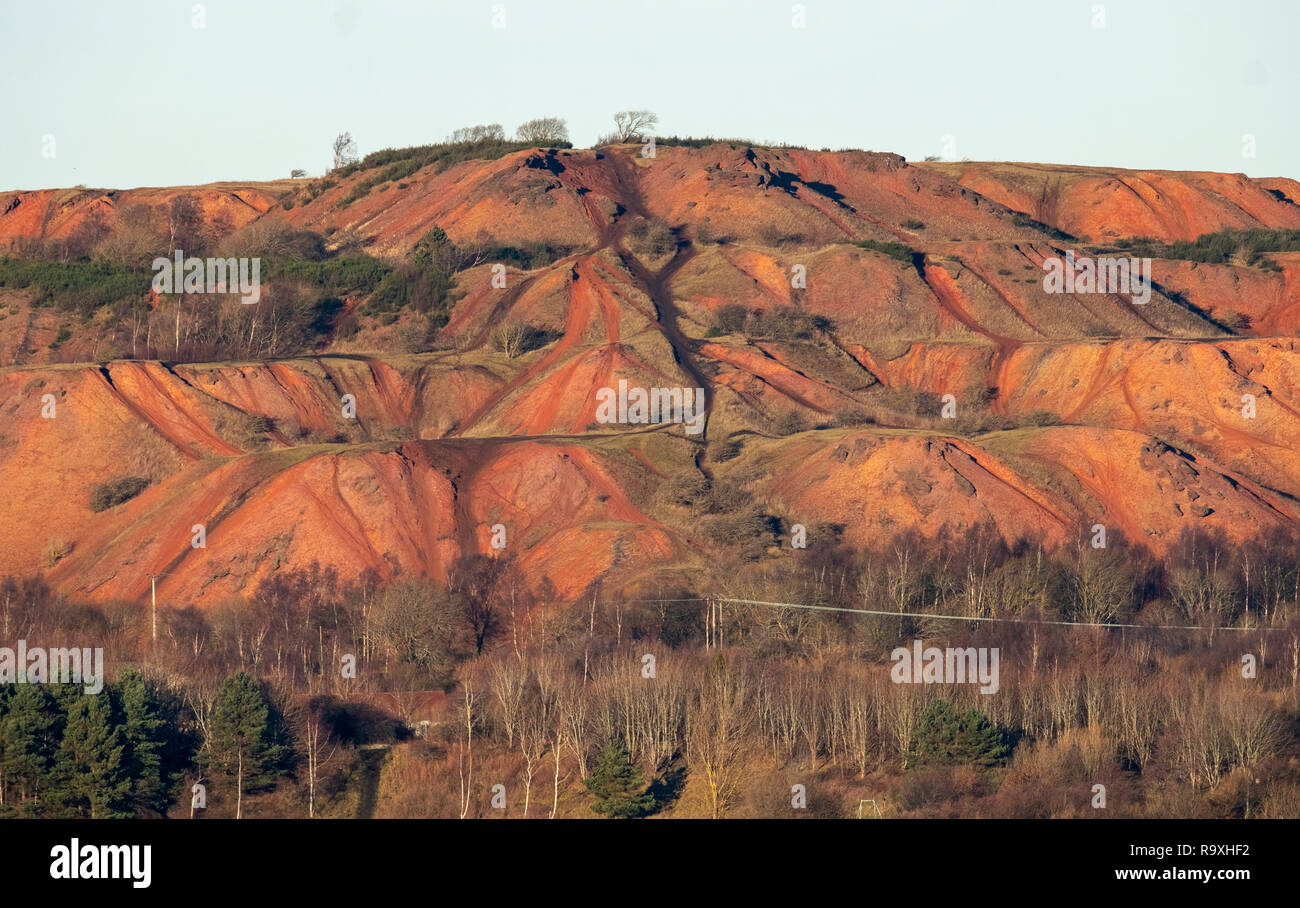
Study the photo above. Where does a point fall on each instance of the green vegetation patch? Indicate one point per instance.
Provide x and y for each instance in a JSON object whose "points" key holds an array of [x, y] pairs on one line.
{"points": [[116, 491], [80, 287], [400, 163], [1221, 248], [899, 251]]}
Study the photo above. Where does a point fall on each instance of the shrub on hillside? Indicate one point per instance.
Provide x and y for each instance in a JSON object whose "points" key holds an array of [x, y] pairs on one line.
{"points": [[651, 237], [1236, 321], [773, 235], [525, 257], [730, 318], [116, 491], [898, 251], [948, 736], [520, 338], [784, 323], [55, 551], [256, 428], [80, 287], [781, 323], [1023, 220], [273, 239], [910, 401], [1221, 248], [443, 155], [703, 142]]}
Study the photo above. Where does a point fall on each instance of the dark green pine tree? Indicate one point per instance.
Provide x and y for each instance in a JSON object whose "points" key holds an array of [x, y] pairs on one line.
{"points": [[243, 741], [618, 786], [945, 735], [143, 735], [94, 778], [6, 693], [29, 741]]}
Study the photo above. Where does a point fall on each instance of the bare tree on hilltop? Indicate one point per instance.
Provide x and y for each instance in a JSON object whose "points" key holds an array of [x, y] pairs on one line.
{"points": [[544, 131], [631, 125], [345, 150], [492, 132]]}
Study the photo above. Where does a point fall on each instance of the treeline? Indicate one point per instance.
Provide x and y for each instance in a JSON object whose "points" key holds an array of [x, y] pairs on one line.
{"points": [[123, 752], [486, 145], [729, 732], [663, 703], [101, 276], [1224, 247], [188, 710]]}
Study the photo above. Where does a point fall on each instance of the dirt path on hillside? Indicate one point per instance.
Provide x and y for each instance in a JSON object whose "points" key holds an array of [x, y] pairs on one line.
{"points": [[656, 286], [952, 301]]}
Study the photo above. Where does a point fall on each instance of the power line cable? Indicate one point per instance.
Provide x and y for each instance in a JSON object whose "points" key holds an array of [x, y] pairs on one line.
{"points": [[884, 614]]}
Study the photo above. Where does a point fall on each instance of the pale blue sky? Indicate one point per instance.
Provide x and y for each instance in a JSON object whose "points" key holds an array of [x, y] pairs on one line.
{"points": [[135, 96]]}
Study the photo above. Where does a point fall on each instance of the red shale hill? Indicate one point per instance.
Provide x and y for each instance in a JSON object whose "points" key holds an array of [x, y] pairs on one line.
{"points": [[1101, 203], [823, 395], [56, 213]]}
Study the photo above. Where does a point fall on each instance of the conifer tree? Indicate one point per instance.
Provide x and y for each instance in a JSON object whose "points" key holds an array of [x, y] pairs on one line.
{"points": [[142, 731], [92, 767], [618, 785], [243, 743], [945, 735], [29, 741], [6, 693]]}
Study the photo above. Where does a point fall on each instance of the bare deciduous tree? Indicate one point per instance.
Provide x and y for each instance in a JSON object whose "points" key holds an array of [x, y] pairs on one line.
{"points": [[1102, 585], [345, 150], [1205, 590], [576, 711], [543, 131], [716, 729], [508, 682], [901, 716], [1252, 728], [469, 709], [185, 222], [1202, 749], [87, 235], [491, 132], [1137, 710], [315, 735], [533, 740], [416, 624], [511, 339], [632, 125]]}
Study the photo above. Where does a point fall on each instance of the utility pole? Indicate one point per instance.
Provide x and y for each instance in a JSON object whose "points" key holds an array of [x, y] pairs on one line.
{"points": [[153, 597]]}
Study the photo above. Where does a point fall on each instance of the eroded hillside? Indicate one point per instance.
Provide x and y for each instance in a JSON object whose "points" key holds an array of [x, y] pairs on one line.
{"points": [[826, 303]]}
